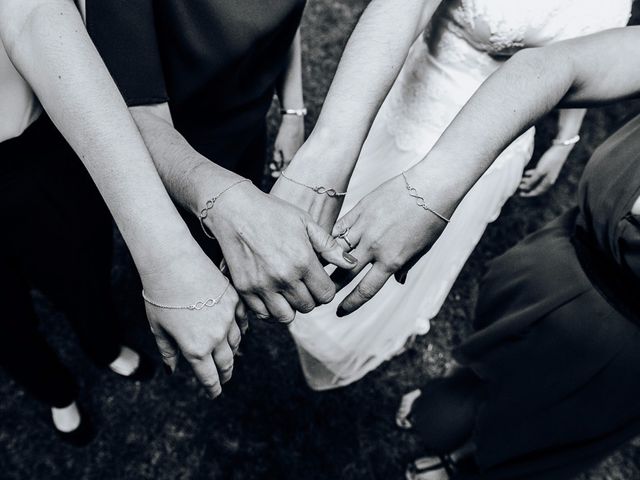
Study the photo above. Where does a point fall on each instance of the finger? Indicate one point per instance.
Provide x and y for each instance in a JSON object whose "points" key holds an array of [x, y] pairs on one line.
{"points": [[341, 278], [234, 337], [223, 357], [327, 247], [257, 306], [371, 284], [279, 309], [300, 298], [539, 190], [166, 347], [242, 317], [207, 373]]}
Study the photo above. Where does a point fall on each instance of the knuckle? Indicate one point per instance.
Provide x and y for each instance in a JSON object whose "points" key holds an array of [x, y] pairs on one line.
{"points": [[364, 291], [197, 351], [306, 307], [226, 367], [244, 286], [327, 294], [287, 317]]}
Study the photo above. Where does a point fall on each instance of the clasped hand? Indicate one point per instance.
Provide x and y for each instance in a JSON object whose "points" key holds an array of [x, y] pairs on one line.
{"points": [[271, 249]]}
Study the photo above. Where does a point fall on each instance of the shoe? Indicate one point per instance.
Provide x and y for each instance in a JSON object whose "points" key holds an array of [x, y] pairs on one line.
{"points": [[145, 371], [82, 435]]}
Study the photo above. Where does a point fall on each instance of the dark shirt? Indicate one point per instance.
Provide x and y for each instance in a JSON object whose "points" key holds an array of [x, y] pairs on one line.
{"points": [[216, 61]]}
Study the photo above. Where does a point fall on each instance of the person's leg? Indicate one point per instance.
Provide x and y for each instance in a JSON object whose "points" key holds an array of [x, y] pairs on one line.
{"points": [[444, 414], [66, 241], [24, 353]]}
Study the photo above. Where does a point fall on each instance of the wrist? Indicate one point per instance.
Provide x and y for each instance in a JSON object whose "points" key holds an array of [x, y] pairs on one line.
{"points": [[209, 180], [231, 206], [435, 179]]}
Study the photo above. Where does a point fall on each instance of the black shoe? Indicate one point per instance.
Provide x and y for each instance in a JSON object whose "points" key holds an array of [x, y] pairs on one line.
{"points": [[82, 435]]}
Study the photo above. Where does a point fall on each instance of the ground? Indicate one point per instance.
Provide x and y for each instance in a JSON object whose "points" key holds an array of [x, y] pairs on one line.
{"points": [[268, 424]]}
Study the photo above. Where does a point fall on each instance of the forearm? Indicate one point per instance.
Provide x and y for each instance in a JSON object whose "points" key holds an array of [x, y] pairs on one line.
{"points": [[289, 87], [190, 178], [48, 43], [581, 72], [369, 65], [569, 122]]}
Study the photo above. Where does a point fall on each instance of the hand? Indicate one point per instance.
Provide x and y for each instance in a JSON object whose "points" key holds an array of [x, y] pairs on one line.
{"points": [[390, 231], [311, 169], [538, 180], [289, 139], [270, 248], [207, 338]]}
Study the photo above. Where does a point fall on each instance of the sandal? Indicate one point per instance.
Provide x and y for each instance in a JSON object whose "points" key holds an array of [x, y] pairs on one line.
{"points": [[418, 468]]}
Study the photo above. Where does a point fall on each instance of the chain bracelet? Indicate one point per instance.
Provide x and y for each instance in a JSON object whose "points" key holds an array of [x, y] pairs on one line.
{"points": [[320, 190], [210, 203], [420, 201], [210, 302]]}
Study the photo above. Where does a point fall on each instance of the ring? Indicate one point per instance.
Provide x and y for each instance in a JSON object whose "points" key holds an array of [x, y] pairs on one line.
{"points": [[345, 236]]}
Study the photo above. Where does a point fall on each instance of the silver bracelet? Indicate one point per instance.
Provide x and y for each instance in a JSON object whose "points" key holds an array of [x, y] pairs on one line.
{"points": [[210, 203], [420, 201], [320, 190], [566, 143], [210, 302], [298, 112]]}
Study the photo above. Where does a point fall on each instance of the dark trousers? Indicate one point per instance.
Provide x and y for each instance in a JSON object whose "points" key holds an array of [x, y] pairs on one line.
{"points": [[57, 238]]}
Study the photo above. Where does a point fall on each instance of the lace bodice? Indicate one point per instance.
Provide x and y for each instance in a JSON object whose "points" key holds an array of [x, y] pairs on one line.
{"points": [[501, 27], [466, 41]]}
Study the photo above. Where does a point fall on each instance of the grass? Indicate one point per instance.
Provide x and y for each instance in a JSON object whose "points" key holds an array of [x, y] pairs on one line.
{"points": [[268, 425]]}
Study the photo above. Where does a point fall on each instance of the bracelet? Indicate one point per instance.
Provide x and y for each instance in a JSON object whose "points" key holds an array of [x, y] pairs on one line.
{"points": [[420, 201], [210, 302], [210, 203], [320, 190], [298, 112], [566, 143]]}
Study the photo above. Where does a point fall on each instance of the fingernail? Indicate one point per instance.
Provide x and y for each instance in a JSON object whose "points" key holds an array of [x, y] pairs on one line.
{"points": [[341, 312], [167, 369], [349, 258]]}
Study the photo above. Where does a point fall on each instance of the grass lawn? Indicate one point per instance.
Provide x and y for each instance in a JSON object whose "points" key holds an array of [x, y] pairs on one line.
{"points": [[268, 424]]}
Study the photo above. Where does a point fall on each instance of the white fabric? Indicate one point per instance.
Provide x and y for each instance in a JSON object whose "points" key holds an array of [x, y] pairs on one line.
{"points": [[468, 40], [19, 107]]}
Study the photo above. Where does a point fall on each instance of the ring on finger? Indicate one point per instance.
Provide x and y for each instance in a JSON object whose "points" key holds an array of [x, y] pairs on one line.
{"points": [[345, 236]]}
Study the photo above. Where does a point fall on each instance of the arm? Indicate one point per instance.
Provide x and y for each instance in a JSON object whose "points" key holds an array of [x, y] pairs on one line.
{"points": [[583, 72], [47, 42], [291, 133], [369, 65], [267, 243], [538, 180]]}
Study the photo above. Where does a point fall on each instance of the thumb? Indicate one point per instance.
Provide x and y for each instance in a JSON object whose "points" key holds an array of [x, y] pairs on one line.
{"points": [[327, 247]]}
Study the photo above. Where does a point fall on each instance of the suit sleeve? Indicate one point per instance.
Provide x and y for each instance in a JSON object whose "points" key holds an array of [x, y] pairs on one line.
{"points": [[124, 33]]}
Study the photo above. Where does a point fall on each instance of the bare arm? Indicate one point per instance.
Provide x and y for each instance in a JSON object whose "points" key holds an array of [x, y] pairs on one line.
{"points": [[269, 245], [592, 70], [290, 135], [538, 180], [369, 65], [47, 42], [371, 61]]}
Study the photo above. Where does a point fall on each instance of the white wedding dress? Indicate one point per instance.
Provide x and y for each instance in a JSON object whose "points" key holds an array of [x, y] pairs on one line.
{"points": [[466, 41]]}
